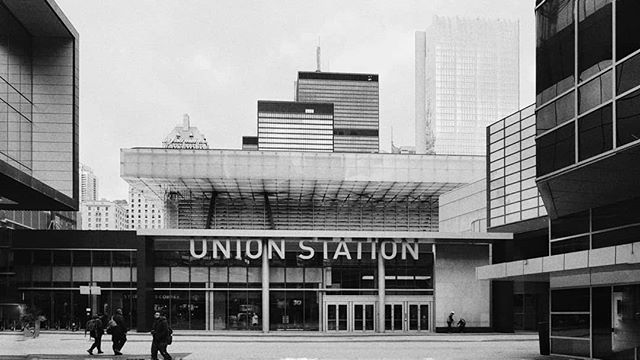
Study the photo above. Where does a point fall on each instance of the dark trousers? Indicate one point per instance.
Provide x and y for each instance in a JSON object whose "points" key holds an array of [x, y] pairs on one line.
{"points": [[159, 346], [97, 343], [118, 342]]}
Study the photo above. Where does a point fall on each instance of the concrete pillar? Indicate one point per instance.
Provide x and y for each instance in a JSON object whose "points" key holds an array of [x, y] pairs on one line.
{"points": [[381, 288], [93, 300], [265, 287]]}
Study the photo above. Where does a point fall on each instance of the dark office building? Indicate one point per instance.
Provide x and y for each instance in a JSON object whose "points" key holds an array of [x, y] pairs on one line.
{"points": [[355, 98], [587, 171]]}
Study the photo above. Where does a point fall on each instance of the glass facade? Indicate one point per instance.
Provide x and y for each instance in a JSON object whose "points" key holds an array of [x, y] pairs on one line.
{"points": [[16, 93], [513, 195], [598, 322], [48, 280], [585, 97], [355, 98], [215, 293], [295, 126], [471, 79]]}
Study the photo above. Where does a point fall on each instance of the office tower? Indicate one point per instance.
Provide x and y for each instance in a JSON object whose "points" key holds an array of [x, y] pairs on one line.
{"points": [[185, 137], [88, 184], [468, 79], [587, 164], [104, 215], [38, 108], [295, 126], [355, 99]]}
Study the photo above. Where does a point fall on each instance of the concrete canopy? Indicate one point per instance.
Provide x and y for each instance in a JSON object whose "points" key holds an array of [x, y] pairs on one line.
{"points": [[338, 176]]}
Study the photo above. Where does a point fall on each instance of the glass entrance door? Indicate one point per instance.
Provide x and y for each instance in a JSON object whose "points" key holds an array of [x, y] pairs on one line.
{"points": [[418, 317], [394, 317], [363, 317], [337, 319]]}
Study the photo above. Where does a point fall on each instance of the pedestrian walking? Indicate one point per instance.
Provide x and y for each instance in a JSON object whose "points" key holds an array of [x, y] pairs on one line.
{"points": [[450, 321], [118, 332], [161, 337], [95, 327]]}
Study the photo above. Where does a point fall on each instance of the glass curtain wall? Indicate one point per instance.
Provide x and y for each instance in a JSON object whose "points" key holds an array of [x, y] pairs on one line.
{"points": [[48, 282]]}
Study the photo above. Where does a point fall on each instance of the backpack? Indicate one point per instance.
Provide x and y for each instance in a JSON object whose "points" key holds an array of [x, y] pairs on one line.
{"points": [[91, 325], [170, 337]]}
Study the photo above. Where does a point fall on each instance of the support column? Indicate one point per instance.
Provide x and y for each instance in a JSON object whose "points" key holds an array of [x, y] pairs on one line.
{"points": [[381, 288], [265, 287]]}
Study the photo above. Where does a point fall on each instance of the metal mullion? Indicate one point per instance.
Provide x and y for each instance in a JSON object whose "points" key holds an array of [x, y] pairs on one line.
{"points": [[576, 156], [557, 97], [614, 82]]}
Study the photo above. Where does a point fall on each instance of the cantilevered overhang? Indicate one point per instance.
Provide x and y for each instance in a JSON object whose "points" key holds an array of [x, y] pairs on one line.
{"points": [[603, 180], [620, 257], [336, 176], [431, 236], [41, 18]]}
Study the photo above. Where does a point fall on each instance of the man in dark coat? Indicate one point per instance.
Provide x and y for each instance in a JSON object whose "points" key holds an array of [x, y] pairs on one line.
{"points": [[96, 334], [118, 332], [161, 335]]}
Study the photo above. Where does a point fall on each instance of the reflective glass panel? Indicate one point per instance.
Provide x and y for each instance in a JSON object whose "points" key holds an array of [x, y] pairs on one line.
{"points": [[628, 118], [594, 37], [595, 133]]}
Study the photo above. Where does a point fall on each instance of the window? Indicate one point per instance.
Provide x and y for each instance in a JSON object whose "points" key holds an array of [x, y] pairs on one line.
{"points": [[628, 74], [627, 26], [559, 112], [628, 118], [595, 92], [556, 150], [594, 37], [554, 49], [595, 132]]}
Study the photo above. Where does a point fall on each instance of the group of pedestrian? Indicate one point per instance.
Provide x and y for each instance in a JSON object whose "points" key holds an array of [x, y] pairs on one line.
{"points": [[115, 326], [98, 325]]}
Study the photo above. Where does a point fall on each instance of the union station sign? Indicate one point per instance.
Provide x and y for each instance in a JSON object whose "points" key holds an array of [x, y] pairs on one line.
{"points": [[254, 249]]}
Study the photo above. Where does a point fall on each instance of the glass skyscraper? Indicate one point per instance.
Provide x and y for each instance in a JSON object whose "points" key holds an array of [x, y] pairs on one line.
{"points": [[466, 78], [356, 100]]}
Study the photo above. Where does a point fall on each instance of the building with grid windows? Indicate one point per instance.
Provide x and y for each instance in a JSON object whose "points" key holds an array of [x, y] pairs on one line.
{"points": [[88, 184], [586, 250], [356, 109], [295, 126], [104, 215], [38, 107], [467, 76]]}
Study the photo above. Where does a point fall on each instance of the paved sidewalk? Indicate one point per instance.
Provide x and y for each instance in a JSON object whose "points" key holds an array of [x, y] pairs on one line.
{"points": [[301, 346]]}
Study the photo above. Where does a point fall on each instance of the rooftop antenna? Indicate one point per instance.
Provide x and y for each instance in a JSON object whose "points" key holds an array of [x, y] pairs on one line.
{"points": [[318, 56]]}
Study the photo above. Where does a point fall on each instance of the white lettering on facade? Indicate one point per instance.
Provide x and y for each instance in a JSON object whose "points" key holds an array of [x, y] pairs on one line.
{"points": [[192, 249], [226, 250], [248, 252], [413, 251], [341, 250], [383, 250], [304, 247], [255, 249], [272, 245]]}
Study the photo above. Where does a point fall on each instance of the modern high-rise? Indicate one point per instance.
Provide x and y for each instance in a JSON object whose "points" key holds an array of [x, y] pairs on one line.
{"points": [[356, 110], [467, 76], [88, 184], [295, 126], [38, 107], [587, 166]]}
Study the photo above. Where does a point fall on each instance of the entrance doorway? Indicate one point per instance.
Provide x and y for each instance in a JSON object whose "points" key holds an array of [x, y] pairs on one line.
{"points": [[407, 316], [360, 314]]}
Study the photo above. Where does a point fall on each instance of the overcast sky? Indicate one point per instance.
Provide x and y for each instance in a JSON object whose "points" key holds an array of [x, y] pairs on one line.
{"points": [[145, 63]]}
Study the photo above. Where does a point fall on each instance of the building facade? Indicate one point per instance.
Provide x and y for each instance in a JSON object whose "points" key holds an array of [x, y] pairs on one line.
{"points": [[38, 108], [467, 76], [356, 109], [185, 137], [103, 215], [88, 184], [586, 173], [144, 210], [295, 126]]}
